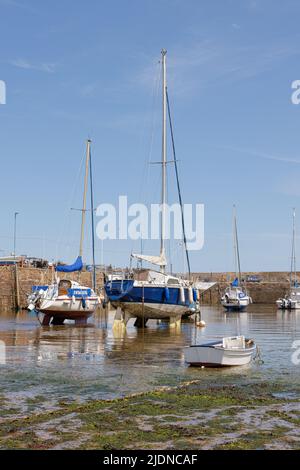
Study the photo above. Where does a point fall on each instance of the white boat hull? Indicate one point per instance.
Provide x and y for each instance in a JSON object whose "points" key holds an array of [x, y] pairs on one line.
{"points": [[58, 310], [152, 310], [67, 304], [63, 300], [236, 304], [288, 305], [209, 356]]}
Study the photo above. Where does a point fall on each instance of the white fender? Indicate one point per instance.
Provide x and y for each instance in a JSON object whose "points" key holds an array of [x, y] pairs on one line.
{"points": [[191, 298], [181, 294]]}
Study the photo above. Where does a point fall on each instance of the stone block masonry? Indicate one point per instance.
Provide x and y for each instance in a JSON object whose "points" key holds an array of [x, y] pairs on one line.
{"points": [[272, 285]]}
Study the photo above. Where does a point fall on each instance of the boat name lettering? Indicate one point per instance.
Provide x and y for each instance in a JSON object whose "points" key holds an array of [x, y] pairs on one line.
{"points": [[79, 292]]}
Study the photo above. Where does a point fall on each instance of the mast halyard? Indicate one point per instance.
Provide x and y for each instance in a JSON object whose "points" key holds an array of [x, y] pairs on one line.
{"points": [[92, 220], [88, 149], [178, 188], [164, 159]]}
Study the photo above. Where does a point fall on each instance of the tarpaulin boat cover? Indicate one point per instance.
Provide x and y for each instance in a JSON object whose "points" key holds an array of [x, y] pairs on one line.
{"points": [[77, 266]]}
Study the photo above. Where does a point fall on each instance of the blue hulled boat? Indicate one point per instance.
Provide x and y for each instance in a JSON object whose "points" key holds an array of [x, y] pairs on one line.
{"points": [[148, 293], [152, 294]]}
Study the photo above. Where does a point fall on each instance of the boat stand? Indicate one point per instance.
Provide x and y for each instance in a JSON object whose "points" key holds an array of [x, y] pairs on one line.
{"points": [[46, 320], [121, 319], [175, 321]]}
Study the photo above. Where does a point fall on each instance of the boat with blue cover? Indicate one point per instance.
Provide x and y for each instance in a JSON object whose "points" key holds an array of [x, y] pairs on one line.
{"points": [[152, 293]]}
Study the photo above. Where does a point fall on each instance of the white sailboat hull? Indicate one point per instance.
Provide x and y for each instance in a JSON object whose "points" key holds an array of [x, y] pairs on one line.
{"points": [[152, 310], [235, 298], [68, 305], [291, 301], [56, 311], [285, 304], [64, 300], [235, 304]]}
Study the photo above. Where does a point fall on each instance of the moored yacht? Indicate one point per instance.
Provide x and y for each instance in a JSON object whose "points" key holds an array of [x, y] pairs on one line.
{"points": [[63, 300], [236, 296], [151, 294], [66, 299], [148, 293], [291, 300]]}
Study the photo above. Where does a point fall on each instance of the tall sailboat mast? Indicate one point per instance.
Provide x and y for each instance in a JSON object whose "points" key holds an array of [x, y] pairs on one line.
{"points": [[293, 257], [164, 158], [83, 216], [236, 247]]}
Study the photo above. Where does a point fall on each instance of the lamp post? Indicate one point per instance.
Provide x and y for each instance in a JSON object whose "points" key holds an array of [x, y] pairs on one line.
{"points": [[15, 234], [17, 291]]}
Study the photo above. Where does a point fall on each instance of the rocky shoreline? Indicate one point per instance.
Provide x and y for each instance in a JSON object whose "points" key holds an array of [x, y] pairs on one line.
{"points": [[256, 415]]}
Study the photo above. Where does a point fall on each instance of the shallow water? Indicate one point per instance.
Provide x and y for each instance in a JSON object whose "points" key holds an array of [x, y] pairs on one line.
{"points": [[45, 365]]}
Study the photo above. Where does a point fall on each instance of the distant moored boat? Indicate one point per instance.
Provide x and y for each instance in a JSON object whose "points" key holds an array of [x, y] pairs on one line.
{"points": [[236, 296], [291, 300]]}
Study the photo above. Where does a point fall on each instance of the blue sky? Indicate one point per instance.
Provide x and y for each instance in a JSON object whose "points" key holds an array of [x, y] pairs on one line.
{"points": [[75, 69]]}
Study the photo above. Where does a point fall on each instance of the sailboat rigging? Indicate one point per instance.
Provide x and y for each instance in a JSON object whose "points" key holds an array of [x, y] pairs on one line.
{"points": [[178, 188], [236, 296], [66, 299], [147, 293], [292, 299]]}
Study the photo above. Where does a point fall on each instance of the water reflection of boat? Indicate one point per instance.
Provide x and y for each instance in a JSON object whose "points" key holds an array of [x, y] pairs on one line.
{"points": [[231, 351], [65, 299], [149, 293], [236, 296], [291, 300]]}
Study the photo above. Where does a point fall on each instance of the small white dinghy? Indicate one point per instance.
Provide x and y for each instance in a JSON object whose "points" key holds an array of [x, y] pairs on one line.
{"points": [[230, 351]]}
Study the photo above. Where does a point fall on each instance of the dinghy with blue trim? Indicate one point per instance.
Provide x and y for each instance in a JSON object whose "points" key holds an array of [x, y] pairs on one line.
{"points": [[229, 352]]}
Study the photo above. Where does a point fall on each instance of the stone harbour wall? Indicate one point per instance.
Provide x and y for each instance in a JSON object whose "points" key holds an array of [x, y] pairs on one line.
{"points": [[271, 286]]}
